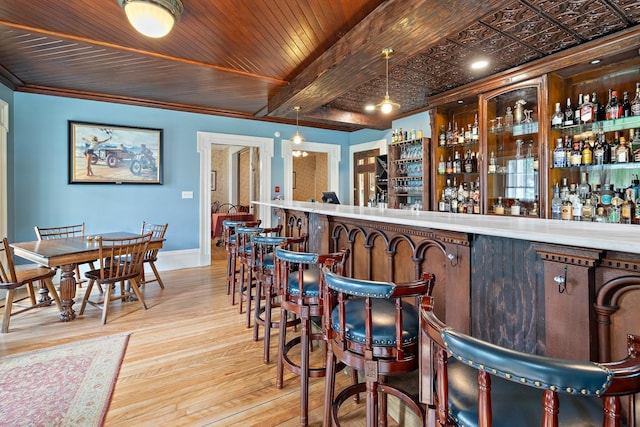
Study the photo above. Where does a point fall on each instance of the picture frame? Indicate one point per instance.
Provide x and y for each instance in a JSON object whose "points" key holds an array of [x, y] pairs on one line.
{"points": [[114, 154], [214, 180]]}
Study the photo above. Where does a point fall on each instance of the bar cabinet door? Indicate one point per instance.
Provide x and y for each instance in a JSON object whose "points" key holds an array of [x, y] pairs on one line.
{"points": [[514, 149]]}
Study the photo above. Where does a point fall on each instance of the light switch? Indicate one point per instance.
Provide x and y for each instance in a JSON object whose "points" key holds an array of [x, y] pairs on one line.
{"points": [[187, 194]]}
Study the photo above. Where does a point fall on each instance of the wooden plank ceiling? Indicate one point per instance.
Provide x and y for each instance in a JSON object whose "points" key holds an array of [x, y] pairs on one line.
{"points": [[258, 59]]}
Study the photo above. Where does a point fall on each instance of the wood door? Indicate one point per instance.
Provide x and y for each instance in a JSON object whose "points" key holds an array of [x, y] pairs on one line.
{"points": [[364, 176]]}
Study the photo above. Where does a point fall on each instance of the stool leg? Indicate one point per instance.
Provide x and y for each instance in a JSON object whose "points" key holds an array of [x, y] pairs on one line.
{"points": [[304, 364], [256, 316], [282, 339], [249, 286], [267, 323], [329, 385]]}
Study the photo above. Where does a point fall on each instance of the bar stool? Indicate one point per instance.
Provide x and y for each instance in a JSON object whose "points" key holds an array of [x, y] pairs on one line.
{"points": [[230, 245], [298, 283], [264, 270], [244, 252], [371, 329]]}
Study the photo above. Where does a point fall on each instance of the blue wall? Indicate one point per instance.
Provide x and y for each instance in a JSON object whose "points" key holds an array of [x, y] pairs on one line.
{"points": [[38, 180]]}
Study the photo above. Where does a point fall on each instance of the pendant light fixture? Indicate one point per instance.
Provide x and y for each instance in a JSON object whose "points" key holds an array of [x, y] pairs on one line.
{"points": [[387, 105], [297, 138], [152, 18]]}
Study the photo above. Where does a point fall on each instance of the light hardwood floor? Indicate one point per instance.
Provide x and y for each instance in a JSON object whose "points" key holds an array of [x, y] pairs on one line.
{"points": [[190, 360]]}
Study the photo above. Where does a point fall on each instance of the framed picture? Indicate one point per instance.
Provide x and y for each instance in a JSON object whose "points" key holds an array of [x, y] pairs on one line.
{"points": [[214, 177], [112, 154]]}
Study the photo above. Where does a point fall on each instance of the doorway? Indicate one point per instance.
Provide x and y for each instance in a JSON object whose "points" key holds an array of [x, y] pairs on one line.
{"points": [[310, 175], [206, 141], [332, 152], [364, 177]]}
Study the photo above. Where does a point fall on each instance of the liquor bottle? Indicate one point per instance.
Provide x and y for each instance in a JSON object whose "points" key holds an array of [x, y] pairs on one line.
{"points": [[449, 166], [613, 147], [564, 189], [449, 135], [586, 110], [492, 163], [566, 211], [587, 211], [468, 163], [457, 163], [622, 152], [598, 150], [600, 216], [576, 114], [584, 189], [626, 105], [498, 209], [599, 112], [568, 113], [442, 166], [557, 118], [635, 145], [442, 138], [474, 162], [613, 106], [635, 104], [515, 208], [475, 130], [559, 159], [576, 153], [443, 204], [628, 208], [587, 152], [568, 146], [556, 204], [614, 209], [476, 197], [606, 149]]}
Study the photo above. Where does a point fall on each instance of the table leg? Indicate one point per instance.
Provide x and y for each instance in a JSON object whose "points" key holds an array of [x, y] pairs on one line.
{"points": [[67, 292], [43, 294]]}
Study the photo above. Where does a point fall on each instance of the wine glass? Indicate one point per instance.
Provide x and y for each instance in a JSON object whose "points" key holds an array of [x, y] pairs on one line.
{"points": [[499, 125], [492, 129]]}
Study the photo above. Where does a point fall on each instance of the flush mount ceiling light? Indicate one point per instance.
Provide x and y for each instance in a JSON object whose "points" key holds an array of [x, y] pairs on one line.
{"points": [[387, 105], [297, 138], [479, 64], [153, 18]]}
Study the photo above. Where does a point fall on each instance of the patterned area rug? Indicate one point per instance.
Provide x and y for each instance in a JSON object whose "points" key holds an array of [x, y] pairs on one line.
{"points": [[67, 385]]}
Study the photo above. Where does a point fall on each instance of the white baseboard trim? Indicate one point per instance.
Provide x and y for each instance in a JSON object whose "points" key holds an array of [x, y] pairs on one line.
{"points": [[175, 260]]}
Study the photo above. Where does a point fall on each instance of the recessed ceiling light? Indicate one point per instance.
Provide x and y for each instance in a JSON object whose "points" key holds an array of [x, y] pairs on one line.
{"points": [[460, 101], [596, 61], [479, 64]]}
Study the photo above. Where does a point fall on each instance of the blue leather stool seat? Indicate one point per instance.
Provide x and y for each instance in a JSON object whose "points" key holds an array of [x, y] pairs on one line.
{"points": [[384, 322], [311, 280], [575, 411]]}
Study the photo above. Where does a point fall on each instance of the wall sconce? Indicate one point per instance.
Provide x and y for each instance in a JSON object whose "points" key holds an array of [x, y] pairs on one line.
{"points": [[152, 18]]}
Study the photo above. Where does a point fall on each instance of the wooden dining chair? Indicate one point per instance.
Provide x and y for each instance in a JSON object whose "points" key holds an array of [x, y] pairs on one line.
{"points": [[151, 255], [64, 232], [120, 260], [11, 279]]}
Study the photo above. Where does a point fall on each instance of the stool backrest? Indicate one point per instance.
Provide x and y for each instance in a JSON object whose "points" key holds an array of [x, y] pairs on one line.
{"points": [[340, 289], [575, 378], [290, 264]]}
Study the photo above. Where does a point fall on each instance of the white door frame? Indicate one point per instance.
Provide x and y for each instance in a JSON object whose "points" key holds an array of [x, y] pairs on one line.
{"points": [[204, 142], [333, 164], [365, 146]]}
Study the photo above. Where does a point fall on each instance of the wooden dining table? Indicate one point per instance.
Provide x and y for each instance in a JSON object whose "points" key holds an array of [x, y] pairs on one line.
{"points": [[66, 253], [218, 218]]}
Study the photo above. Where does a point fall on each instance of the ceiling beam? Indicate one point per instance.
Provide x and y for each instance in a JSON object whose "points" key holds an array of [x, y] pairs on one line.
{"points": [[407, 27]]}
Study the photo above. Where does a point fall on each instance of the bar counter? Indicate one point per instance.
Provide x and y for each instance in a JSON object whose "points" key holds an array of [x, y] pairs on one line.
{"points": [[617, 237], [535, 285]]}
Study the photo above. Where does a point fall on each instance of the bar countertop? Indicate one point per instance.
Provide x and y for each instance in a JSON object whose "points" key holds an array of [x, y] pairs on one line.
{"points": [[615, 237]]}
